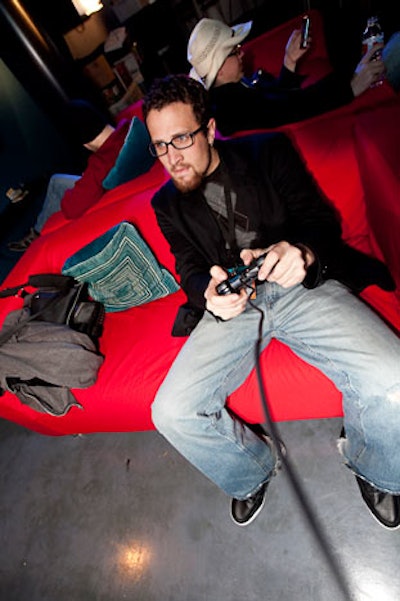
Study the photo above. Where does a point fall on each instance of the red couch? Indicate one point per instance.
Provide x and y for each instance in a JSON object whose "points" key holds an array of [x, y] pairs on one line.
{"points": [[137, 343], [378, 154]]}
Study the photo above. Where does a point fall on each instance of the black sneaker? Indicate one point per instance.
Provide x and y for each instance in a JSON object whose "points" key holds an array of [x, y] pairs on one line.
{"points": [[384, 506], [243, 512], [23, 244]]}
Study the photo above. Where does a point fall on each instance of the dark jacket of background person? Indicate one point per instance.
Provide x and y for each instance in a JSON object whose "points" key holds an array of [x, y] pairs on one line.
{"points": [[270, 102]]}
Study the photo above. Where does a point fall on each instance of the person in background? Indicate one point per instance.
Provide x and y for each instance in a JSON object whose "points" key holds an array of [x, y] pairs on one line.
{"points": [[262, 101], [94, 131], [391, 59], [227, 203]]}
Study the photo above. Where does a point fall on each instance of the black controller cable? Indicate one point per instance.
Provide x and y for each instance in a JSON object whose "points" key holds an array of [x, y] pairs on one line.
{"points": [[294, 480]]}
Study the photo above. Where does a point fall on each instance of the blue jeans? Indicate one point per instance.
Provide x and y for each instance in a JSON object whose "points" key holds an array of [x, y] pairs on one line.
{"points": [[329, 328], [59, 183]]}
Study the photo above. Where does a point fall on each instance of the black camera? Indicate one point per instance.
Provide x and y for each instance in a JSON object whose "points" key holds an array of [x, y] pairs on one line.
{"points": [[240, 277]]}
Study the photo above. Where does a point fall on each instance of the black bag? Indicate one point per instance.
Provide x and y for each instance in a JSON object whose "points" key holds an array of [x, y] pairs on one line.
{"points": [[59, 299], [51, 344], [186, 320]]}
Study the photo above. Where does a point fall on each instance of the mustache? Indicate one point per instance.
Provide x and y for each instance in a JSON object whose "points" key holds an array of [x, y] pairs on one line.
{"points": [[179, 167]]}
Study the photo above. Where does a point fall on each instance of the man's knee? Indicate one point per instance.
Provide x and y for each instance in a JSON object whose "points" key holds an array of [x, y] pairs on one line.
{"points": [[173, 410], [164, 412], [54, 179], [158, 414]]}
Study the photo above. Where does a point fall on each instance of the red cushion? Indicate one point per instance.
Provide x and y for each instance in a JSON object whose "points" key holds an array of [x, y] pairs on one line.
{"points": [[378, 152], [137, 343]]}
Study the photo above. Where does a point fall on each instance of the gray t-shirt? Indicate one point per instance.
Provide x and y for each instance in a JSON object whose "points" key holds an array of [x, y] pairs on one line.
{"points": [[216, 198]]}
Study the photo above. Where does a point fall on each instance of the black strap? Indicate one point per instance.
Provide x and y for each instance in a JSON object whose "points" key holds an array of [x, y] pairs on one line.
{"points": [[41, 280], [51, 280], [16, 291], [231, 235]]}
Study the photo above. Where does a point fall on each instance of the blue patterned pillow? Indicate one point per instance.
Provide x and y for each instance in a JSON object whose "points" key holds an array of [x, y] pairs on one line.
{"points": [[120, 269], [134, 157]]}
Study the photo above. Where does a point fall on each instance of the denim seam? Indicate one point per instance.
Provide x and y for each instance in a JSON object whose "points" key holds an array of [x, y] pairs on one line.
{"points": [[347, 385]]}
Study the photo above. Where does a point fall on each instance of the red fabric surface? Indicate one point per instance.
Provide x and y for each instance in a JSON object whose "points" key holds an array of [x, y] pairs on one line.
{"points": [[378, 151], [137, 343], [134, 110]]}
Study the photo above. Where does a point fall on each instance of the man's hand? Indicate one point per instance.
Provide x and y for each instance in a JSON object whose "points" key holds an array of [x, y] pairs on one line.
{"points": [[293, 50], [368, 71], [284, 264], [224, 306]]}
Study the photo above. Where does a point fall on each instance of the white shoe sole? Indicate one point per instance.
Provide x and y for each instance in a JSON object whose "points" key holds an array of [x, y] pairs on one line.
{"points": [[253, 517]]}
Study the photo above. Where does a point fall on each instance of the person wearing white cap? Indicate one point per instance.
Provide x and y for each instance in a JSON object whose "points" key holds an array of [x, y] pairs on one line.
{"points": [[212, 42], [230, 202], [262, 101]]}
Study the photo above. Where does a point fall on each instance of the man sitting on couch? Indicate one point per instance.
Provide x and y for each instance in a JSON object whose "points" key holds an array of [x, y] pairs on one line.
{"points": [[91, 129], [262, 101], [230, 202], [119, 154]]}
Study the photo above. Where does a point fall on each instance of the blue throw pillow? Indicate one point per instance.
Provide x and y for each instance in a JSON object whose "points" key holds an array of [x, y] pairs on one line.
{"points": [[120, 269], [134, 157]]}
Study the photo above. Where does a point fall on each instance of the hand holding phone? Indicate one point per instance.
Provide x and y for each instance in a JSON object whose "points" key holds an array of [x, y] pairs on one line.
{"points": [[305, 31]]}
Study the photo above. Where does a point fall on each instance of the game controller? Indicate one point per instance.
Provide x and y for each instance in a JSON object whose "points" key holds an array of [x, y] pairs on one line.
{"points": [[240, 277]]}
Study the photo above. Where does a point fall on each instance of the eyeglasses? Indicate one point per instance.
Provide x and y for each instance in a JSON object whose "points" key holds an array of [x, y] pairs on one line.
{"points": [[180, 142], [236, 51]]}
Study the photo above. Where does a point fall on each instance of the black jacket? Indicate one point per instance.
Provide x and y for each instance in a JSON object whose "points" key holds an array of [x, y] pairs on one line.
{"points": [[271, 102], [281, 201]]}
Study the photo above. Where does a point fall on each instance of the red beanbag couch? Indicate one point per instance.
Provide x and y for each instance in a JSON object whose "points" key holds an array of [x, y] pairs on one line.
{"points": [[137, 343], [378, 154]]}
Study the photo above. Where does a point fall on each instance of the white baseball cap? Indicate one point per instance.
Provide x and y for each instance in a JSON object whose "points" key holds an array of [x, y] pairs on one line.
{"points": [[209, 44]]}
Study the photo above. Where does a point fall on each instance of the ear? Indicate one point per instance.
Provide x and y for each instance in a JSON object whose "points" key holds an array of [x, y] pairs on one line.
{"points": [[211, 128], [219, 78]]}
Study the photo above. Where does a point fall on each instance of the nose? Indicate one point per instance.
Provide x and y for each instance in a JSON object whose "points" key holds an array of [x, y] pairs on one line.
{"points": [[174, 155]]}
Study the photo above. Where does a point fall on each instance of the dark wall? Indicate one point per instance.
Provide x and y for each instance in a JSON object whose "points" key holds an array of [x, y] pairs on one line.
{"points": [[30, 146], [43, 68], [160, 38], [57, 16], [345, 21]]}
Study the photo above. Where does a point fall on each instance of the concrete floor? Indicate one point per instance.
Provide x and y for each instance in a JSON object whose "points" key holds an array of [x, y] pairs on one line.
{"points": [[109, 517]]}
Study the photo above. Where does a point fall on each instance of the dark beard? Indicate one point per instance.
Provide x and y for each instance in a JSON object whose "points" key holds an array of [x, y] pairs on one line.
{"points": [[197, 179], [189, 186]]}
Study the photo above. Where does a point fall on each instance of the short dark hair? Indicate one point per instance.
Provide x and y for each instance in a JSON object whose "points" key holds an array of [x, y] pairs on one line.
{"points": [[178, 88]]}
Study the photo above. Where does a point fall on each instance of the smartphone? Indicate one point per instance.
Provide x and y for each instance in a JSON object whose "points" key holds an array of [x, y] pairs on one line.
{"points": [[305, 31]]}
